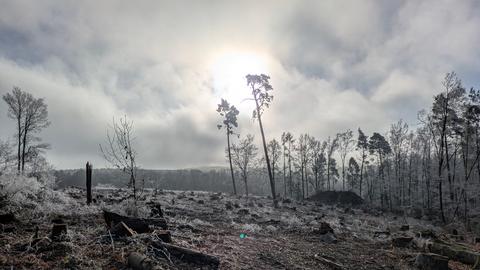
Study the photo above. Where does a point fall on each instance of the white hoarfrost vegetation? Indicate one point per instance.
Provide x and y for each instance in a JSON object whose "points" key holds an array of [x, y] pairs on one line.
{"points": [[417, 192]]}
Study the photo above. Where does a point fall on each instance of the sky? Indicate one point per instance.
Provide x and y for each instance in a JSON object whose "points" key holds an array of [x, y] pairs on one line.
{"points": [[165, 65]]}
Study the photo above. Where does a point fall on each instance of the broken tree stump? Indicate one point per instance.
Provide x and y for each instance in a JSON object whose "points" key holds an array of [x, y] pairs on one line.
{"points": [[164, 235], [188, 255], [139, 225], [431, 261], [89, 182], [402, 241], [58, 232], [137, 261]]}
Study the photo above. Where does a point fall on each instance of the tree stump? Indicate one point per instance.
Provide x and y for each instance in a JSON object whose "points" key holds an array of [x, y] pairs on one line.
{"points": [[402, 241], [431, 261], [164, 235], [58, 232], [137, 261]]}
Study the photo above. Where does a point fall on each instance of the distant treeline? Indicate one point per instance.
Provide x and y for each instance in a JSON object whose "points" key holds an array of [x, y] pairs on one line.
{"points": [[217, 180]]}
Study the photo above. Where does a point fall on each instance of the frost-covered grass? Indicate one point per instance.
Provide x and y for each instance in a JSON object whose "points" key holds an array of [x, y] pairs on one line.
{"points": [[291, 220], [251, 227]]}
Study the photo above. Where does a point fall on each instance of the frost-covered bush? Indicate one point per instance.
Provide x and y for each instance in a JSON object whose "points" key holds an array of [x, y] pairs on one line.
{"points": [[20, 190], [199, 222], [128, 208], [251, 227], [35, 197], [291, 220]]}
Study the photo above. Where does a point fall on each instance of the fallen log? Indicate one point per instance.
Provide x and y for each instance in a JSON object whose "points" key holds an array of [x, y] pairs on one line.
{"points": [[139, 225], [455, 252], [137, 261], [328, 262], [121, 229], [188, 255]]}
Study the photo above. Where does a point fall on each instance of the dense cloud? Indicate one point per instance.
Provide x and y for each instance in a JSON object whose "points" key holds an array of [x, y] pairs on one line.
{"points": [[334, 65]]}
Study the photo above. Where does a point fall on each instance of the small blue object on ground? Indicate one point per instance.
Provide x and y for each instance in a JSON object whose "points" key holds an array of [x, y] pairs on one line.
{"points": [[243, 235]]}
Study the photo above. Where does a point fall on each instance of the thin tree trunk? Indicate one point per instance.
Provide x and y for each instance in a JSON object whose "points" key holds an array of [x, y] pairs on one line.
{"points": [[24, 146], [272, 183], [19, 142], [230, 161], [361, 172], [284, 175]]}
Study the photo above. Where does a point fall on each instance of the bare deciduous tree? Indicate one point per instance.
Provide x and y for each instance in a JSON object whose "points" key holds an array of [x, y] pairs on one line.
{"points": [[345, 145], [119, 150], [243, 156], [31, 115], [275, 153]]}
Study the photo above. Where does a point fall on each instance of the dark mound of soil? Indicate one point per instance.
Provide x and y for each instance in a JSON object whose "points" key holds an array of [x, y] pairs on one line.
{"points": [[337, 197]]}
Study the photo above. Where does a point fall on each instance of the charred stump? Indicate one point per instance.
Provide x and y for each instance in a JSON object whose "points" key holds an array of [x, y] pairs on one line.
{"points": [[89, 182]]}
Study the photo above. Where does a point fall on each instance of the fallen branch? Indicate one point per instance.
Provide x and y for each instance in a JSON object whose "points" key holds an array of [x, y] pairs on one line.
{"points": [[188, 255], [328, 262], [139, 225]]}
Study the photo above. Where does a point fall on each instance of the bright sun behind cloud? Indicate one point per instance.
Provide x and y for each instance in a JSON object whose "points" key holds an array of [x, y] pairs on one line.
{"points": [[228, 71]]}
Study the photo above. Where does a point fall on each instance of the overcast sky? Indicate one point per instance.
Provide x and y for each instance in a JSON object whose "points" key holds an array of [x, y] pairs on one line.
{"points": [[334, 65]]}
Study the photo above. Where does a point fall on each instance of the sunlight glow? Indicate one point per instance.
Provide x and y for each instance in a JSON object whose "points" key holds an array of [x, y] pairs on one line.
{"points": [[228, 70]]}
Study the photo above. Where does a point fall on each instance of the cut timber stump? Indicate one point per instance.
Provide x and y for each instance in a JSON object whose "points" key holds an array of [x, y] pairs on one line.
{"points": [[431, 261], [139, 225], [58, 231], [165, 236], [402, 241], [137, 261], [188, 255]]}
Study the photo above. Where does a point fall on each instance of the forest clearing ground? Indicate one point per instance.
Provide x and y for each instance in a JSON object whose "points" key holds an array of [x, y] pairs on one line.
{"points": [[282, 238]]}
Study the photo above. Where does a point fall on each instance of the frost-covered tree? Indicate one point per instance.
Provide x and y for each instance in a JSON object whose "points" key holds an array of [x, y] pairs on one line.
{"points": [[229, 114], [260, 89], [243, 156], [5, 155], [346, 144], [287, 142], [332, 145], [31, 116], [362, 147], [119, 150], [353, 173], [274, 151]]}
